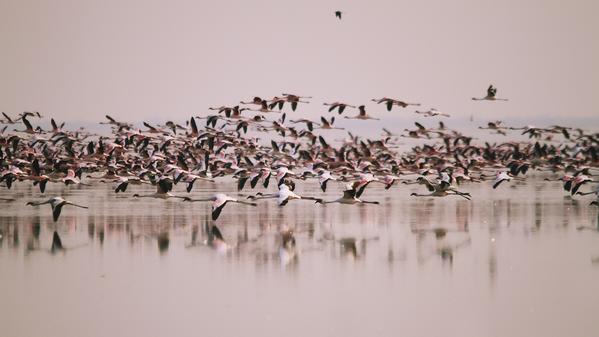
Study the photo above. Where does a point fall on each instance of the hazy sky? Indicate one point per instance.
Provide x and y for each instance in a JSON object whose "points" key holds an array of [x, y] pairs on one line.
{"points": [[78, 60]]}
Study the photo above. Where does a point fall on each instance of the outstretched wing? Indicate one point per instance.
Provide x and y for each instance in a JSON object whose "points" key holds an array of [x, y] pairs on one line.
{"points": [[349, 194], [241, 183], [217, 210], [56, 212], [27, 124]]}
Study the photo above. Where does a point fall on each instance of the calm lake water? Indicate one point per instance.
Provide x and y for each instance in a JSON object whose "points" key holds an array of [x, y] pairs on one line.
{"points": [[522, 260]]}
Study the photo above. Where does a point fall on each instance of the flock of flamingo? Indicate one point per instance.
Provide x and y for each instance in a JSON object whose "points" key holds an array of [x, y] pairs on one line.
{"points": [[174, 154]]}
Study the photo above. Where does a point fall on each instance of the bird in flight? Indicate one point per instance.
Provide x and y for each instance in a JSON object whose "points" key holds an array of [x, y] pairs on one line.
{"points": [[491, 93]]}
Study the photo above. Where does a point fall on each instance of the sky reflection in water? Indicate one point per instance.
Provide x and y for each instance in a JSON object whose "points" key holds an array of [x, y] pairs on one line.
{"points": [[518, 261]]}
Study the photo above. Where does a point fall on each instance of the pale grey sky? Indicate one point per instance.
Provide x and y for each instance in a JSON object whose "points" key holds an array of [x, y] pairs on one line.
{"points": [[78, 60]]}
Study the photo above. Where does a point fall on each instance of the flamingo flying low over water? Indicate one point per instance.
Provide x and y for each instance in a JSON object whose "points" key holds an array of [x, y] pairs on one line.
{"points": [[283, 196], [441, 188], [163, 188], [218, 203], [349, 198], [501, 177], [57, 203]]}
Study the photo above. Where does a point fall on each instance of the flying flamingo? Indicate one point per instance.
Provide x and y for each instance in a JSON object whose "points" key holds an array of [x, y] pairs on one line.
{"points": [[390, 102], [294, 99], [57, 203], [501, 177], [326, 125], [349, 198], [163, 188], [578, 181], [324, 177], [362, 115], [339, 106], [283, 196], [218, 203]]}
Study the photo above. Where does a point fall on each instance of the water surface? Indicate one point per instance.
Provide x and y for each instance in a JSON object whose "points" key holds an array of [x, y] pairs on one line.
{"points": [[518, 261]]}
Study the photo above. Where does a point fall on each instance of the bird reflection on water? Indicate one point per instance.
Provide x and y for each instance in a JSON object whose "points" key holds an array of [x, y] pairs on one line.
{"points": [[246, 229], [411, 245]]}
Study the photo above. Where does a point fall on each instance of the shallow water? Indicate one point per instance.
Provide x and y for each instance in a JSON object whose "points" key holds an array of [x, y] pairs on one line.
{"points": [[522, 260]]}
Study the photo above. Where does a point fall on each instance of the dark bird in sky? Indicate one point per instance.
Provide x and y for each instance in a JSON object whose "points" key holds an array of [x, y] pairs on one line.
{"points": [[491, 92]]}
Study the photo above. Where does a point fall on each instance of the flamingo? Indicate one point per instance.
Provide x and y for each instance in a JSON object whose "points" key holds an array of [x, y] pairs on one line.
{"points": [[256, 100], [349, 198], [282, 173], [442, 188], [10, 175], [119, 125], [72, 179], [264, 107], [339, 106], [8, 119], [218, 203], [28, 127], [37, 177], [163, 188], [432, 112], [440, 193], [264, 174], [283, 196], [578, 181], [324, 177], [389, 180], [390, 102], [362, 115], [326, 125], [57, 203], [501, 177], [294, 99], [123, 183], [309, 123]]}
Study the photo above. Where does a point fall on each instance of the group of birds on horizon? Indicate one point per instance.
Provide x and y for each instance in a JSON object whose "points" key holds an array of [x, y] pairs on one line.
{"points": [[291, 151]]}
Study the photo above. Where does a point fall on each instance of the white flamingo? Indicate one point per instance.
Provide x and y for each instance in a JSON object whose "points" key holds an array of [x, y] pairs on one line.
{"points": [[57, 203], [218, 203], [283, 196]]}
